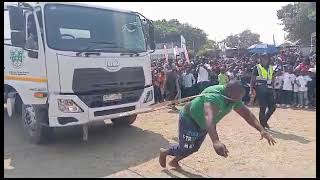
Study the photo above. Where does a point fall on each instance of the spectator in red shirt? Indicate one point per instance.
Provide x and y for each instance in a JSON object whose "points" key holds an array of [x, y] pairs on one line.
{"points": [[304, 66]]}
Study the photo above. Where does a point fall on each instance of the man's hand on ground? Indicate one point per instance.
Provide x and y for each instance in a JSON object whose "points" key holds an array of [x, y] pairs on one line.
{"points": [[220, 149], [268, 137]]}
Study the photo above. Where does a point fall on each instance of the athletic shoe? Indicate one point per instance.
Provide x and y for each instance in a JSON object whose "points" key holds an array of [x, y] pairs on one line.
{"points": [[278, 105], [282, 105], [267, 125], [306, 107], [288, 106]]}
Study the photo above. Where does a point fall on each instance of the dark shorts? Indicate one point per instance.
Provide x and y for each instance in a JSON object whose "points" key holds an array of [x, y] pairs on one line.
{"points": [[190, 137]]}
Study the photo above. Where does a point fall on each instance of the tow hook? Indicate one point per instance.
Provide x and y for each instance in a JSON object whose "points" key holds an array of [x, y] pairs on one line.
{"points": [[85, 132]]}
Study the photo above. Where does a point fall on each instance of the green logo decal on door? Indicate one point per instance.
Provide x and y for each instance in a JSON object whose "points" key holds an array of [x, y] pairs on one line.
{"points": [[17, 57]]}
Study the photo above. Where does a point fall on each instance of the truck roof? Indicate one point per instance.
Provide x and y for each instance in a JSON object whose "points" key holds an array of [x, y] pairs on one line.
{"points": [[77, 4]]}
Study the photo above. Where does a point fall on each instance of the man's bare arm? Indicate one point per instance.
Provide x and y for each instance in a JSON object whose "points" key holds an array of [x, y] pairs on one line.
{"points": [[247, 115], [210, 111]]}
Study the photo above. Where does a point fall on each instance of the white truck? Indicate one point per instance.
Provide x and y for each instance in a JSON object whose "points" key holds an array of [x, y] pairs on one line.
{"points": [[69, 64]]}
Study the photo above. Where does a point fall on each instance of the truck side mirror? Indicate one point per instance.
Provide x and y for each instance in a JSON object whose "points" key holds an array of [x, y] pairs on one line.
{"points": [[151, 36], [33, 54], [17, 20], [152, 45], [18, 38]]}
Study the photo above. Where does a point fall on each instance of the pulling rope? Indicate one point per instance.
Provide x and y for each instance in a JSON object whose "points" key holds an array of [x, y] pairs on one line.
{"points": [[167, 104]]}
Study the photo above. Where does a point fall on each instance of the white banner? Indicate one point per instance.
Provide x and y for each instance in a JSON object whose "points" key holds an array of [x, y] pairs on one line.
{"points": [[184, 47], [166, 54], [175, 51], [183, 41]]}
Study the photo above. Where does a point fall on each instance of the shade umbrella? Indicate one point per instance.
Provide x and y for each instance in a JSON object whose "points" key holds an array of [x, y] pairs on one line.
{"points": [[263, 48]]}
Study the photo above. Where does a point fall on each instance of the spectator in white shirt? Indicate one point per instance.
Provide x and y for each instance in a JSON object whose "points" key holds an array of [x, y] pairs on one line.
{"points": [[203, 77], [302, 81], [203, 74], [287, 87], [188, 81]]}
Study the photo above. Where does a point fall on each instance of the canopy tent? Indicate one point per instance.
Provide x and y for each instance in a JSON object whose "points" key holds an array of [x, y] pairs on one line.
{"points": [[263, 48]]}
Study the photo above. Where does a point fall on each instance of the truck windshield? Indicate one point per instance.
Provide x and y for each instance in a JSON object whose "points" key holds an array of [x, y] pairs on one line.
{"points": [[73, 28]]}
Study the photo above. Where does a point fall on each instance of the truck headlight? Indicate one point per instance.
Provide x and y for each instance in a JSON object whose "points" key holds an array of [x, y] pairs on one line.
{"points": [[149, 97], [68, 106]]}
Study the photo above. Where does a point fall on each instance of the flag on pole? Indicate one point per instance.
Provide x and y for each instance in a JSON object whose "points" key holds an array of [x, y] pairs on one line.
{"points": [[183, 41], [184, 47], [176, 53], [274, 41], [166, 54], [186, 55]]}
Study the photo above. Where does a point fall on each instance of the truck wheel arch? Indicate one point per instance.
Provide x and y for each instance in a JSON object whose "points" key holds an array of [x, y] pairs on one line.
{"points": [[26, 96]]}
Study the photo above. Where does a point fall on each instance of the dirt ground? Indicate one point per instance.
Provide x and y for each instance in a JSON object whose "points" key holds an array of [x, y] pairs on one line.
{"points": [[294, 155], [133, 151]]}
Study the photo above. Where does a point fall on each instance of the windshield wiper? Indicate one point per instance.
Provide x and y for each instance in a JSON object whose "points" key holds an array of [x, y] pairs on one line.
{"points": [[95, 43], [129, 52]]}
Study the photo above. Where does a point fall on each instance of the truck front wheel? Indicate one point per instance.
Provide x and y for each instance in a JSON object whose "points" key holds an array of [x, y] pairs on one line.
{"points": [[124, 121], [18, 105], [34, 120]]}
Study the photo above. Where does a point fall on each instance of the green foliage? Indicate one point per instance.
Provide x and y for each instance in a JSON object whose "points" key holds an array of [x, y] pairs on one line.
{"points": [[196, 39], [299, 20], [243, 40], [170, 31], [209, 47]]}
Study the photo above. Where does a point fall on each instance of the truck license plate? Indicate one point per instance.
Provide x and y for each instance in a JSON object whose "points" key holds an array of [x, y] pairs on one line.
{"points": [[111, 97]]}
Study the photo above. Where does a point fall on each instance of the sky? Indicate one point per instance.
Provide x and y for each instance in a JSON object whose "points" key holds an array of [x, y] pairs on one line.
{"points": [[217, 19]]}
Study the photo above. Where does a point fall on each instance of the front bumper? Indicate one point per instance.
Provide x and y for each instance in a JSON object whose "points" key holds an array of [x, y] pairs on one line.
{"points": [[60, 119]]}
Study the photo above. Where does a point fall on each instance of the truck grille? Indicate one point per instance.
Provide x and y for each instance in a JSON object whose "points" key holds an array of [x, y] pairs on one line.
{"points": [[91, 84], [98, 79], [96, 100]]}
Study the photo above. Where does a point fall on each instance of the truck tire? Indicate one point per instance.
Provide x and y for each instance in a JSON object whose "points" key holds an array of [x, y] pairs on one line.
{"points": [[124, 121], [35, 123], [18, 105]]}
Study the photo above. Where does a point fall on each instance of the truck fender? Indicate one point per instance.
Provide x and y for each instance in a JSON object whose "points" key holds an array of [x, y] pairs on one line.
{"points": [[26, 92]]}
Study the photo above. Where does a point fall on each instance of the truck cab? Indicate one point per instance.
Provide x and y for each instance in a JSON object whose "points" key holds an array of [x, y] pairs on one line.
{"points": [[71, 64]]}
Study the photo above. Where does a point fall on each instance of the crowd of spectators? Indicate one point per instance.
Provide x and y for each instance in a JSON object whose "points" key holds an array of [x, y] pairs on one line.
{"points": [[295, 79]]}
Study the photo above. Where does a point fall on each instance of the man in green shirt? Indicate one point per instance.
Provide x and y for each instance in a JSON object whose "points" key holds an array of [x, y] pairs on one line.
{"points": [[200, 117], [223, 77]]}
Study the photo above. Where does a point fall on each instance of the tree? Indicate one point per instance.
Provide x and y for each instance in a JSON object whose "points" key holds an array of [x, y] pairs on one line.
{"points": [[231, 41], [210, 46], [242, 40], [170, 31], [299, 20]]}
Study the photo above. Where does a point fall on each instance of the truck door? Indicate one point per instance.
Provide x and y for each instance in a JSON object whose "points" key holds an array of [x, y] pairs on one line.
{"points": [[24, 56]]}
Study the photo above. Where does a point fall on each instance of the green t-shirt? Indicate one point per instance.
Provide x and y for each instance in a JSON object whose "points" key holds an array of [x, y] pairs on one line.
{"points": [[223, 79], [214, 97]]}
